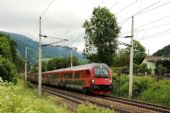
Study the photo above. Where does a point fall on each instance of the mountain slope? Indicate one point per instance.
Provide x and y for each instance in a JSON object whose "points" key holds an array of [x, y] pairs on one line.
{"points": [[47, 52], [163, 52]]}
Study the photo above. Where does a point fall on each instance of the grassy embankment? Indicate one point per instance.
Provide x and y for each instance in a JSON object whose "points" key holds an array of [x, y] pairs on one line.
{"points": [[17, 99], [145, 88]]}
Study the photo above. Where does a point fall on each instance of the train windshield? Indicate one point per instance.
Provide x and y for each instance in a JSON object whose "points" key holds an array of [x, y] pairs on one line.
{"points": [[101, 72]]}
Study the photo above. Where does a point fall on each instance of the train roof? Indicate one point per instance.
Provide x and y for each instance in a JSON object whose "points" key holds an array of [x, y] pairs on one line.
{"points": [[77, 68]]}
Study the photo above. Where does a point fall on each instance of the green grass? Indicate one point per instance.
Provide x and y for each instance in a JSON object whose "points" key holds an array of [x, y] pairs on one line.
{"points": [[158, 93], [17, 99]]}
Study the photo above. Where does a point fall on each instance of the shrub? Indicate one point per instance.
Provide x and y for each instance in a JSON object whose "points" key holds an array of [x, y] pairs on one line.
{"points": [[160, 70], [120, 86], [158, 93], [8, 70], [140, 84], [137, 69], [145, 88]]}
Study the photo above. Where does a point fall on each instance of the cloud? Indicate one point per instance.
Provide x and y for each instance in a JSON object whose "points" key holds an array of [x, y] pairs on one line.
{"points": [[64, 19]]}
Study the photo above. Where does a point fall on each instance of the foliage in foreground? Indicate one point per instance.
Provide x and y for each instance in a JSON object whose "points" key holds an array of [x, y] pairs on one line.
{"points": [[16, 99], [140, 84], [8, 51], [8, 70], [10, 62], [159, 93], [92, 109], [145, 88]]}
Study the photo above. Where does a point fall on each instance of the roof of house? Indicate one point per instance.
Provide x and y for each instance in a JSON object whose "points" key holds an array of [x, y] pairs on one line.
{"points": [[155, 59]]}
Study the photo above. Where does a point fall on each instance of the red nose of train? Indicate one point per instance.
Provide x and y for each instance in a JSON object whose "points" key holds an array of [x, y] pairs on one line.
{"points": [[101, 86]]}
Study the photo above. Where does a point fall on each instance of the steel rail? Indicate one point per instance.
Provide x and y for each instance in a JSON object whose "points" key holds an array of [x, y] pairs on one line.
{"points": [[79, 100], [140, 104]]}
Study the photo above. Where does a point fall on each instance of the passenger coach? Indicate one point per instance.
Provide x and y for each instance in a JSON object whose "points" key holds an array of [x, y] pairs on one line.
{"points": [[93, 78]]}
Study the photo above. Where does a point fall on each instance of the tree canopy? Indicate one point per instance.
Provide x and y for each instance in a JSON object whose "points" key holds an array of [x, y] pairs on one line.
{"points": [[139, 52], [101, 32], [56, 63], [122, 57], [8, 59]]}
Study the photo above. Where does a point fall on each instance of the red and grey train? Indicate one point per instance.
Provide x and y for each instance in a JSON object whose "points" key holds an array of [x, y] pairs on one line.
{"points": [[93, 78]]}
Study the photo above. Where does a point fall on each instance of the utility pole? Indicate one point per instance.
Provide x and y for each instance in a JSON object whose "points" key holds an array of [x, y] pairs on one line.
{"points": [[25, 66], [40, 53], [72, 48], [131, 60], [71, 57]]}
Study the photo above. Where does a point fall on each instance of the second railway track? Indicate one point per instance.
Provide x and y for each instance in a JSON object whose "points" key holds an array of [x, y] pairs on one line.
{"points": [[118, 104], [154, 107]]}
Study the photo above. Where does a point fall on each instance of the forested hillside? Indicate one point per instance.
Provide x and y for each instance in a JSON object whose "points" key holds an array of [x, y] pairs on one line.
{"points": [[163, 52], [47, 52]]}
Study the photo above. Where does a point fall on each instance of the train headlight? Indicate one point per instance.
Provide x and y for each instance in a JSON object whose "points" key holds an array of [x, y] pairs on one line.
{"points": [[92, 81], [110, 81]]}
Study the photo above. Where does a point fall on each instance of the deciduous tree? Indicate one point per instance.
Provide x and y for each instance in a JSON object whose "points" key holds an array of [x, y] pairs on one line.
{"points": [[101, 32]]}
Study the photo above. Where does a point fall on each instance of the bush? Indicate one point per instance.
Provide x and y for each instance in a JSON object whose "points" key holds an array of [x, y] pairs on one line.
{"points": [[158, 93], [141, 84], [8, 70], [16, 99], [142, 69], [145, 88], [92, 109], [137, 69], [160, 70], [121, 85]]}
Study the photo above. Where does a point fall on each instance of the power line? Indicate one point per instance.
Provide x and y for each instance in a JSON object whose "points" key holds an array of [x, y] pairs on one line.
{"points": [[154, 27], [114, 4], [123, 21], [141, 11], [129, 5], [154, 21], [149, 23], [101, 3], [157, 34], [153, 8], [47, 8], [145, 10]]}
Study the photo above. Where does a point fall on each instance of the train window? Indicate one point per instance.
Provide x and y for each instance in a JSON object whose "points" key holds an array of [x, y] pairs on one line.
{"points": [[88, 72], [101, 72], [67, 75], [76, 75], [54, 76]]}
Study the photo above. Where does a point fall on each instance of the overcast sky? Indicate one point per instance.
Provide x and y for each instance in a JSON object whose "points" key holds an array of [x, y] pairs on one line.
{"points": [[64, 19]]}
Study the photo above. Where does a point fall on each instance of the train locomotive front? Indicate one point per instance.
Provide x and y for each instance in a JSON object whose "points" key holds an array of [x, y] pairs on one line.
{"points": [[101, 79]]}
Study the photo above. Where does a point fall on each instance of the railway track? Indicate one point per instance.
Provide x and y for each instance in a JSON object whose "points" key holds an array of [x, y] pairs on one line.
{"points": [[153, 107], [121, 105], [78, 99]]}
